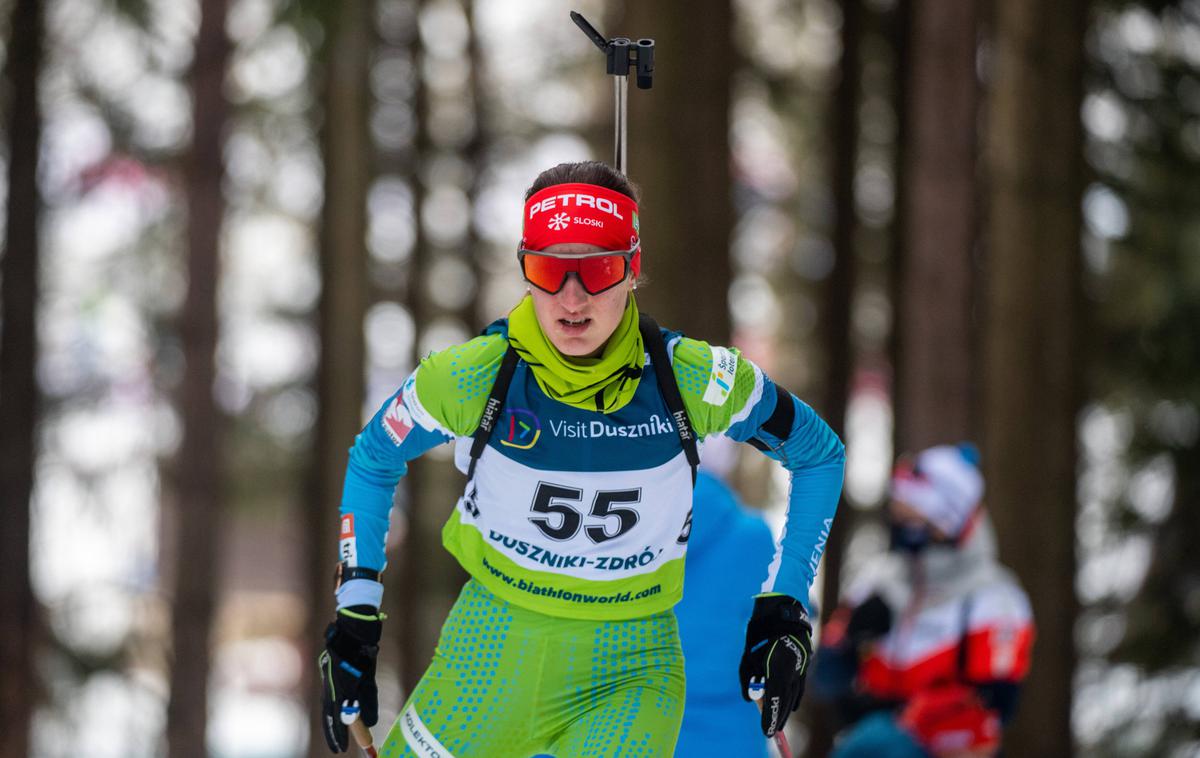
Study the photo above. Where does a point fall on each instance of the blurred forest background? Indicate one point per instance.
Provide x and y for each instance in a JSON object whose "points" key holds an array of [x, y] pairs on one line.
{"points": [[231, 227]]}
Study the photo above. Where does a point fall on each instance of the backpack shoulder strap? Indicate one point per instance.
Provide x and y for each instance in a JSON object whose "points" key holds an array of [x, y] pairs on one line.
{"points": [[491, 411], [653, 340]]}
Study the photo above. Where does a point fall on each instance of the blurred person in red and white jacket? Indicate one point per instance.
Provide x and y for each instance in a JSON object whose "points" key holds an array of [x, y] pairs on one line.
{"points": [[926, 653]]}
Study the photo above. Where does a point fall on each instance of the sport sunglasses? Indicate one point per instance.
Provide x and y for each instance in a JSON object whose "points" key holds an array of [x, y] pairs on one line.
{"points": [[597, 272]]}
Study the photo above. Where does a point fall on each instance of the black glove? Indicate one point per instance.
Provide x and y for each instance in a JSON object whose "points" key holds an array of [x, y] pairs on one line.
{"points": [[348, 673], [775, 662], [869, 621]]}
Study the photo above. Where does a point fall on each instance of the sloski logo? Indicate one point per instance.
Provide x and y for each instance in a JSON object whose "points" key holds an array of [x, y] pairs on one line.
{"points": [[560, 222], [397, 422]]}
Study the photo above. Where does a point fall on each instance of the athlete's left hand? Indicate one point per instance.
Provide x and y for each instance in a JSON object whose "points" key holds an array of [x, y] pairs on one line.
{"points": [[775, 661]]}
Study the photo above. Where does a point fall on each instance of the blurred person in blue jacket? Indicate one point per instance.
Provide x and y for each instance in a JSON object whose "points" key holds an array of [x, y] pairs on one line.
{"points": [[728, 553]]}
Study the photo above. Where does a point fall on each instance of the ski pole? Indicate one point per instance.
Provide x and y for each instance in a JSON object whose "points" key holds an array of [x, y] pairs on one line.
{"points": [[620, 54], [781, 742], [362, 735]]}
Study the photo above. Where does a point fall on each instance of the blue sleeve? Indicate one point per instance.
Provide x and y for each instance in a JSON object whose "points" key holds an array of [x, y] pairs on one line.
{"points": [[789, 431], [378, 459]]}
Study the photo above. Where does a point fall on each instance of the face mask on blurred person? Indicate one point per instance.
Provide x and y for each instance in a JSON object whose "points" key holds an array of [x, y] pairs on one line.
{"points": [[909, 538]]}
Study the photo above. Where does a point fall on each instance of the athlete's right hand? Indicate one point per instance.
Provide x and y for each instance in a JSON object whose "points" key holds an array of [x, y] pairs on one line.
{"points": [[347, 667]]}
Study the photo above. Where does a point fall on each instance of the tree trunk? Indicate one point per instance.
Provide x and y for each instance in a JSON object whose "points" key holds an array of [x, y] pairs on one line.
{"points": [[934, 325], [19, 275], [197, 468], [1032, 392], [432, 577], [839, 292], [420, 544], [342, 308], [679, 156], [899, 33], [840, 288]]}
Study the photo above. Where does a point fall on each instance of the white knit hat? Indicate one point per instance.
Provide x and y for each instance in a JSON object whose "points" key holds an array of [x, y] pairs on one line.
{"points": [[943, 484]]}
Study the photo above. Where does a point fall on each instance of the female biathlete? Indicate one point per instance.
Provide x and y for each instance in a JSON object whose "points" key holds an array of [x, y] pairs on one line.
{"points": [[576, 421]]}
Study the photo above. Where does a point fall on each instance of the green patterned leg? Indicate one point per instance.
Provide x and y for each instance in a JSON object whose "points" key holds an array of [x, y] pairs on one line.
{"points": [[510, 683], [631, 722], [471, 701], [633, 704]]}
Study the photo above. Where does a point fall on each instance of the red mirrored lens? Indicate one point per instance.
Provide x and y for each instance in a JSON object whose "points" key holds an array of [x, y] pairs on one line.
{"points": [[597, 274], [546, 272]]}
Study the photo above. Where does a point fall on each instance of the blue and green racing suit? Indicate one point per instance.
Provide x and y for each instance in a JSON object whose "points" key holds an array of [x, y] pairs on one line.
{"points": [[575, 515]]}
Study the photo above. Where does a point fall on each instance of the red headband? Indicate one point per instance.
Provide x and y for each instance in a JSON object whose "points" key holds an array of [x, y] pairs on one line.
{"points": [[583, 213]]}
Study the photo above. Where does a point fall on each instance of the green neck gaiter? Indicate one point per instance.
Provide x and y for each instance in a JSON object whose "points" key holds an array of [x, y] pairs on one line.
{"points": [[605, 384]]}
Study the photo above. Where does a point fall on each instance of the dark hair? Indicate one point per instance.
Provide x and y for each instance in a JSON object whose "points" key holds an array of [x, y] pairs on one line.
{"points": [[584, 172]]}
